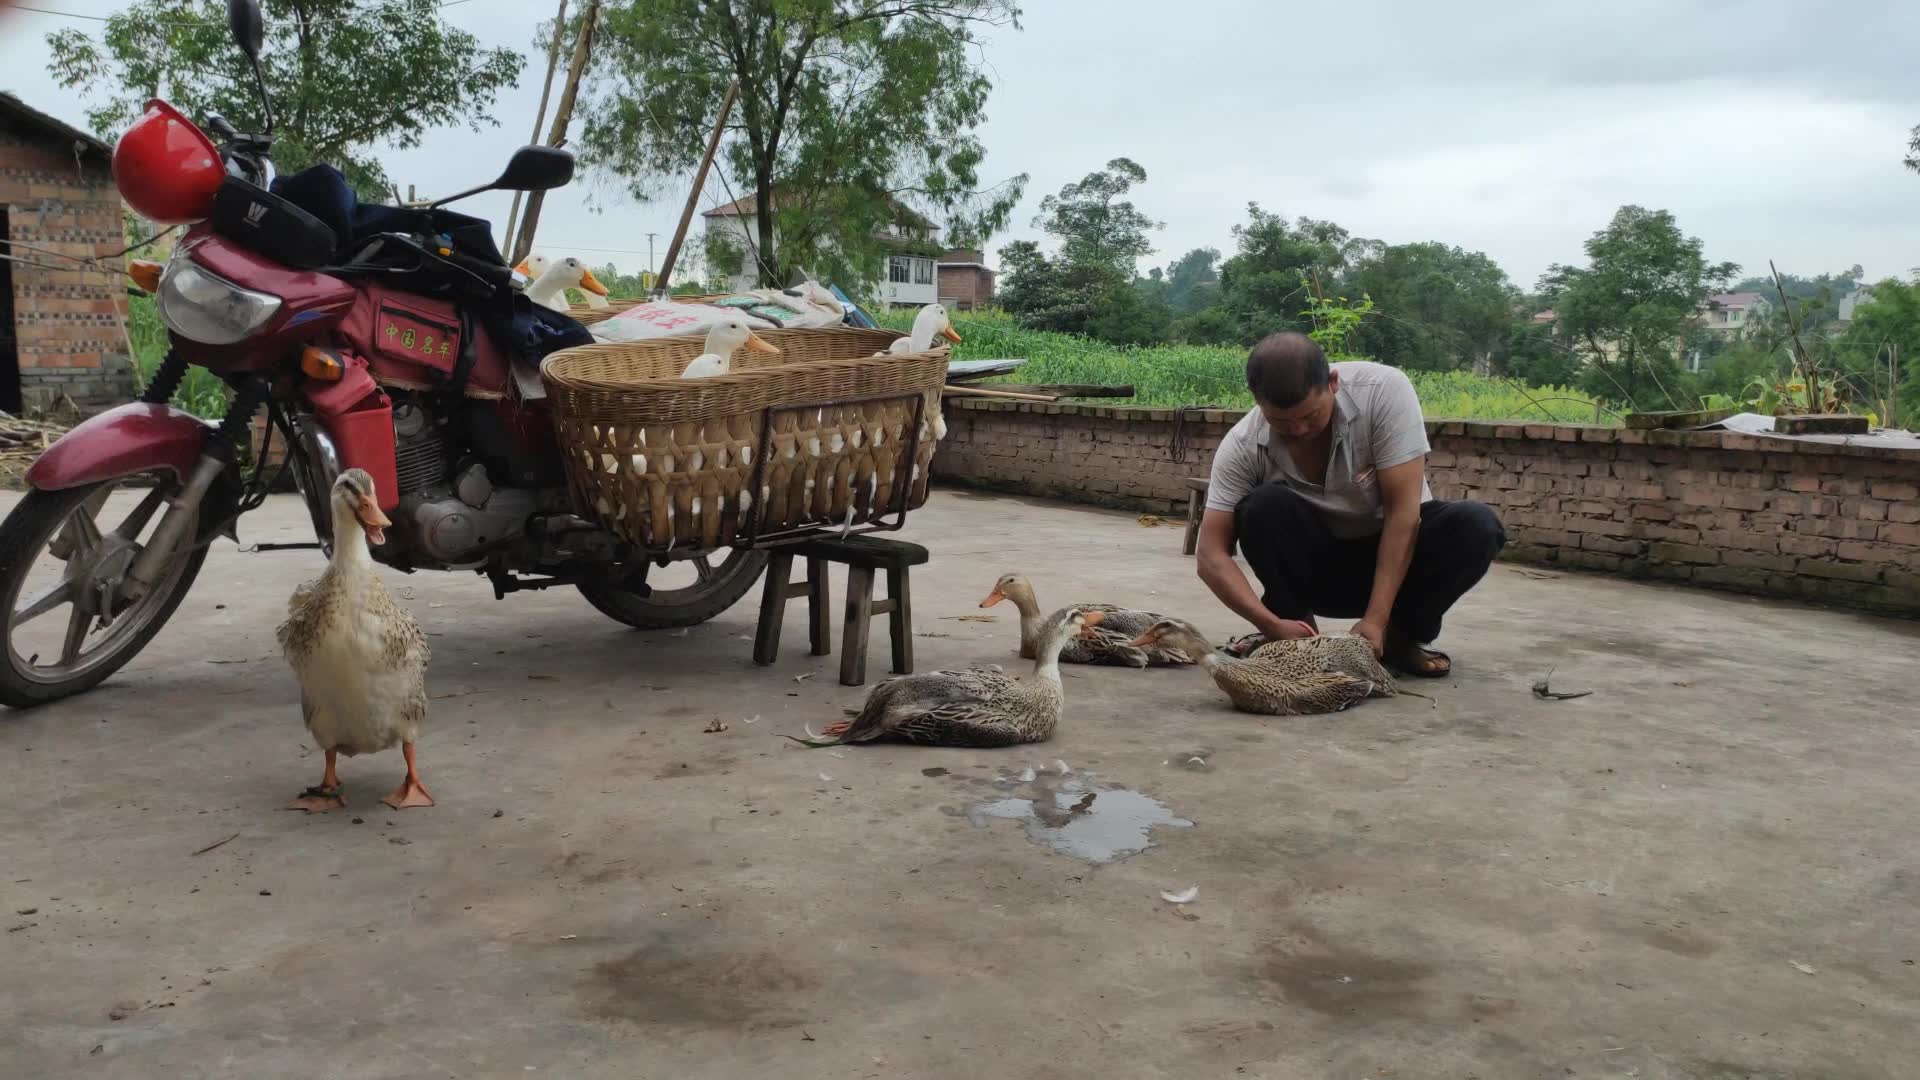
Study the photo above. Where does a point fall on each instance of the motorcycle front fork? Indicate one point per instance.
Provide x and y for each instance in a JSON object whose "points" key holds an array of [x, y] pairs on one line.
{"points": [[183, 507]]}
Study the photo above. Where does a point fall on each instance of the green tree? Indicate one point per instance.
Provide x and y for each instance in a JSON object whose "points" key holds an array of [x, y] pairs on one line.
{"points": [[1888, 326], [1437, 307], [850, 113], [1261, 285], [1193, 280], [1097, 228], [1088, 287], [346, 77], [1632, 308]]}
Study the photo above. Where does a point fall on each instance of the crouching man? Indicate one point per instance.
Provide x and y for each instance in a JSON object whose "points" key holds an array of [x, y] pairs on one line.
{"points": [[1323, 487]]}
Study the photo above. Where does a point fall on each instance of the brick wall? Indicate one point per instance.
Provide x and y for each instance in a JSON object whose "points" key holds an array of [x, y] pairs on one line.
{"points": [[66, 336], [1816, 521], [968, 287]]}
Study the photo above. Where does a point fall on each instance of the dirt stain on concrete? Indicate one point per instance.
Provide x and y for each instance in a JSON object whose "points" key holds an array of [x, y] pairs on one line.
{"points": [[684, 982], [1680, 942], [690, 767]]}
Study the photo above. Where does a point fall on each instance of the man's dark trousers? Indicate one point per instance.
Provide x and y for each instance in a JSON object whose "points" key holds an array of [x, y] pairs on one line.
{"points": [[1306, 570]]}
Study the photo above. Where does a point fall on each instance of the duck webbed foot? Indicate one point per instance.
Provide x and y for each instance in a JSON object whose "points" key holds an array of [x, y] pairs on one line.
{"points": [[411, 791], [319, 800], [325, 795]]}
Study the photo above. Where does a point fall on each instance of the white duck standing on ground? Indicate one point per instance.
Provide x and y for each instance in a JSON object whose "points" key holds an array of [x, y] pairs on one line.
{"points": [[722, 340], [360, 657], [549, 287]]}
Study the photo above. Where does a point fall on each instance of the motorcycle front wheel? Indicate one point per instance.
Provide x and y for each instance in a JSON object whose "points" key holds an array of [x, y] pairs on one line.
{"points": [[66, 629], [710, 589]]}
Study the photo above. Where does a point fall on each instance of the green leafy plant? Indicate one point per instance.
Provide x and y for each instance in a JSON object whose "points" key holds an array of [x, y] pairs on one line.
{"points": [[201, 392]]}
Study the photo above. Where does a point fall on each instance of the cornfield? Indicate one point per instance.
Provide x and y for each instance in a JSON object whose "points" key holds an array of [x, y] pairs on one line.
{"points": [[1214, 375]]}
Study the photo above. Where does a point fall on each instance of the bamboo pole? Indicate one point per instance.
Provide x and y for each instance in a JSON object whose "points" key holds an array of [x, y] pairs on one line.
{"points": [[951, 390], [699, 182], [540, 118], [562, 116]]}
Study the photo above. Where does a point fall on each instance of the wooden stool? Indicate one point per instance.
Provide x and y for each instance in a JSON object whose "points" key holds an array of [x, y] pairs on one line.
{"points": [[863, 556], [1196, 508]]}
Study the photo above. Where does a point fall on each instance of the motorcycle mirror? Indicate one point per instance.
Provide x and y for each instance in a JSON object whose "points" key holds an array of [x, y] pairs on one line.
{"points": [[532, 168], [536, 168], [248, 28]]}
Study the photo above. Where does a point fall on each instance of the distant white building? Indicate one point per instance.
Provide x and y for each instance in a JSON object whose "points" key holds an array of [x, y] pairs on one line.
{"points": [[909, 280], [1726, 314], [1861, 294]]}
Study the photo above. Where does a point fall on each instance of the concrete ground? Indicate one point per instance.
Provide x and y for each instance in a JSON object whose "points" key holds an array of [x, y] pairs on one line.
{"points": [[1704, 870]]}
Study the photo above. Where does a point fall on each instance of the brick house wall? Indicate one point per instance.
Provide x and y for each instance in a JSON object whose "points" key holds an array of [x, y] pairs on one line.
{"points": [[964, 280], [1824, 522], [66, 336]]}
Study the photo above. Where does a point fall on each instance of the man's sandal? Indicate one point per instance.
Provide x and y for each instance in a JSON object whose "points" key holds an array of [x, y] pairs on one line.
{"points": [[1419, 661]]}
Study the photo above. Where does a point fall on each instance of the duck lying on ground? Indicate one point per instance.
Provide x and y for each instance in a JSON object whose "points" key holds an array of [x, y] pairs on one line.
{"points": [[967, 708], [1111, 642]]}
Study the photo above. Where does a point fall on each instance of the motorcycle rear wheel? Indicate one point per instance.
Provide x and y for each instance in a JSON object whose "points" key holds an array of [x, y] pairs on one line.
{"points": [[713, 591], [54, 553]]}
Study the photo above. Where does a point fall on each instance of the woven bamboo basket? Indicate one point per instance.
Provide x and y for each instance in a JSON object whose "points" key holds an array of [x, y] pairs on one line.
{"points": [[822, 427]]}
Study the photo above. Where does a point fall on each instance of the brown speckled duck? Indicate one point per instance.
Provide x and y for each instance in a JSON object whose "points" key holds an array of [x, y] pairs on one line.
{"points": [[360, 657], [967, 708], [1112, 642], [1284, 678]]}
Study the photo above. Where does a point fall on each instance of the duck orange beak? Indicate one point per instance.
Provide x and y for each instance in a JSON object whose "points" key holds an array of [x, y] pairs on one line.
{"points": [[951, 335], [1090, 621], [993, 598], [374, 521], [1144, 640], [591, 283], [756, 343], [523, 269]]}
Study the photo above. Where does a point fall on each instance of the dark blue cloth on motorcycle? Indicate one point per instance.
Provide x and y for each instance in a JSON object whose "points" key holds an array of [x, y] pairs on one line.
{"points": [[324, 192], [538, 330]]}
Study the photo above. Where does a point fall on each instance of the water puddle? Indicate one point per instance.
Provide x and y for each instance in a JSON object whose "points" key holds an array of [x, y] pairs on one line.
{"points": [[1076, 817]]}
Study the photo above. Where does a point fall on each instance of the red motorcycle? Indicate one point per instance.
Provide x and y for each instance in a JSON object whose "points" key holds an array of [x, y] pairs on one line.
{"points": [[384, 338]]}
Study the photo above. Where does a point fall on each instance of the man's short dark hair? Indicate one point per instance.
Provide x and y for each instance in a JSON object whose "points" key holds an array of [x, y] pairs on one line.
{"points": [[1285, 369]]}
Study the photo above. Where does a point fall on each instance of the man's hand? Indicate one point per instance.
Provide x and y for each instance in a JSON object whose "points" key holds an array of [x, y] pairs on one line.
{"points": [[1289, 629], [1375, 633]]}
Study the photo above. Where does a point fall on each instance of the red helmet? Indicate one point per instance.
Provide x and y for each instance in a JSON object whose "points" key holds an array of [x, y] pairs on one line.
{"points": [[166, 168]]}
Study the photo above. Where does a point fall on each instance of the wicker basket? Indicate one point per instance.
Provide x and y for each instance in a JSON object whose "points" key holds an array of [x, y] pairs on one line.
{"points": [[821, 428]]}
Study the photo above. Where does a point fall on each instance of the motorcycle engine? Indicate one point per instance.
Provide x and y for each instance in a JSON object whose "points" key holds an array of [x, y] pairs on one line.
{"points": [[456, 518]]}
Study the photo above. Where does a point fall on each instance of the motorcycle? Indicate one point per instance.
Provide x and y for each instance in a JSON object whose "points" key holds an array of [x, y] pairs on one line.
{"points": [[392, 339]]}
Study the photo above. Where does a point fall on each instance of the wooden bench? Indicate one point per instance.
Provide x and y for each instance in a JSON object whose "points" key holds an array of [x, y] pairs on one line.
{"points": [[864, 557], [1196, 508]]}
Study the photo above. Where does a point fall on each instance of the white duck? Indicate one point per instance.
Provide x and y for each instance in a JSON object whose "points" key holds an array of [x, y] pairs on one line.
{"points": [[722, 340], [360, 657], [549, 285], [932, 322]]}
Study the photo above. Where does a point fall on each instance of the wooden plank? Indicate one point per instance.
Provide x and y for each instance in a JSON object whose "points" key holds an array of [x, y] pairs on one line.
{"points": [[974, 391], [853, 642], [1681, 419], [1823, 424], [773, 608], [1070, 390]]}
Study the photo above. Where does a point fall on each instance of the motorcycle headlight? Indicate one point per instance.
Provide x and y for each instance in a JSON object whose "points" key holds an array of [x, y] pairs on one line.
{"points": [[202, 306]]}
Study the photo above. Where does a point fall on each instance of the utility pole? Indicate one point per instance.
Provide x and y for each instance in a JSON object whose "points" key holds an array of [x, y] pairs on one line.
{"points": [[699, 184], [562, 116], [539, 118]]}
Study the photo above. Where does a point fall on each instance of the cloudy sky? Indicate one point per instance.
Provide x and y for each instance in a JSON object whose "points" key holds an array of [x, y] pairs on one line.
{"points": [[1771, 129]]}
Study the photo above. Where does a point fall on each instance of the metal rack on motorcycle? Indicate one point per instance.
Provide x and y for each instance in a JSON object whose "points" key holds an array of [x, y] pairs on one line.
{"points": [[826, 436]]}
